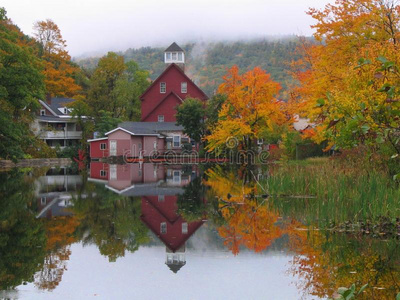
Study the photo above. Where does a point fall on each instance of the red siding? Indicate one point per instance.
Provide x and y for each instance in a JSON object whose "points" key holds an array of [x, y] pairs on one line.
{"points": [[154, 213], [96, 167], [96, 152], [173, 78]]}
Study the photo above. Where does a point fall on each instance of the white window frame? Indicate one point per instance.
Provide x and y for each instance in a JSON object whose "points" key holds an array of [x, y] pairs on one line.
{"points": [[173, 141], [176, 176], [103, 173], [103, 146], [163, 87], [65, 110], [168, 56], [174, 56], [260, 141], [163, 227], [184, 87], [180, 56], [161, 198], [43, 200], [161, 118], [42, 112]]}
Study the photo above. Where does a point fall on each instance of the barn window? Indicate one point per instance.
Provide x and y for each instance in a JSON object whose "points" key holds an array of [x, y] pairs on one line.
{"points": [[184, 228], [103, 146], [163, 87], [103, 173], [184, 87], [160, 118], [163, 228]]}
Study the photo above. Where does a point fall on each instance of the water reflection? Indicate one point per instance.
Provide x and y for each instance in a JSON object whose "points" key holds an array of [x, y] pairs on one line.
{"points": [[159, 188], [126, 210]]}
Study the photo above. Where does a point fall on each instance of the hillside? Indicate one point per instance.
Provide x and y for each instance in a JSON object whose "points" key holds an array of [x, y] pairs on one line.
{"points": [[206, 63]]}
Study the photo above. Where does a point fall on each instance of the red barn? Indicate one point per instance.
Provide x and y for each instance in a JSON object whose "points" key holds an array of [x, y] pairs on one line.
{"points": [[169, 89]]}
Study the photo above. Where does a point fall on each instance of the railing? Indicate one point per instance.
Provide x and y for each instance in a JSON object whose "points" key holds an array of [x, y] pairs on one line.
{"points": [[60, 134]]}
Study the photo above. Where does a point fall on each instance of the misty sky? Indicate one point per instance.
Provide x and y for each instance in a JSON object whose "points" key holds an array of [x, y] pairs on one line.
{"points": [[97, 26]]}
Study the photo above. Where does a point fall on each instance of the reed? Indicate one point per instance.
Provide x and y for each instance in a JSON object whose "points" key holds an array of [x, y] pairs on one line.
{"points": [[328, 192]]}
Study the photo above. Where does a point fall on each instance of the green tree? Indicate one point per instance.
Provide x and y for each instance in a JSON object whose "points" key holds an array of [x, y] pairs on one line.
{"points": [[102, 93], [22, 236], [106, 122], [190, 114], [129, 88], [21, 84]]}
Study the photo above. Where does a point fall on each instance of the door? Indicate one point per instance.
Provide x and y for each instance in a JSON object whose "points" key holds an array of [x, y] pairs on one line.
{"points": [[113, 148]]}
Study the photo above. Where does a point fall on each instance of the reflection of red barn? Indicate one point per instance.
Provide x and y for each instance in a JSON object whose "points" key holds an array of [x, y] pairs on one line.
{"points": [[159, 213]]}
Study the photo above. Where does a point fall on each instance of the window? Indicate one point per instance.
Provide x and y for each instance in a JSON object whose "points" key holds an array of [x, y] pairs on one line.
{"points": [[168, 55], [43, 200], [160, 118], [184, 228], [180, 56], [174, 55], [42, 112], [177, 140], [161, 198], [184, 87], [163, 228], [103, 146], [103, 173], [65, 110], [163, 87], [177, 177], [260, 141]]}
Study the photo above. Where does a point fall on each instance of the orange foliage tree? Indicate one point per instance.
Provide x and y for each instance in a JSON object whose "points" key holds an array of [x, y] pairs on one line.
{"points": [[59, 70], [251, 109], [249, 221], [60, 235], [349, 79]]}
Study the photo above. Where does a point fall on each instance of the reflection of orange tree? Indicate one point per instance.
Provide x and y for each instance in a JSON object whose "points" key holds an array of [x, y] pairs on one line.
{"points": [[325, 261], [59, 231], [249, 221]]}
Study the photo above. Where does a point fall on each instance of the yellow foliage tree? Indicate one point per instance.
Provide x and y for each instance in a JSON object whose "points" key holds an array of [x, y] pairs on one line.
{"points": [[349, 79], [251, 108], [59, 71]]}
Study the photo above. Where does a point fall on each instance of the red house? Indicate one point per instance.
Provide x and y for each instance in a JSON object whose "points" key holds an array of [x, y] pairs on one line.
{"points": [[169, 89], [157, 133]]}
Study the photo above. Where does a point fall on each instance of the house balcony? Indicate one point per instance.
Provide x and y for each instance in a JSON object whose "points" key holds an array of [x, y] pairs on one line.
{"points": [[60, 135]]}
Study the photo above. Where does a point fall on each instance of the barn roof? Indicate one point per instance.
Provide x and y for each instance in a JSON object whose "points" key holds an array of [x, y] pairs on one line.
{"points": [[173, 47]]}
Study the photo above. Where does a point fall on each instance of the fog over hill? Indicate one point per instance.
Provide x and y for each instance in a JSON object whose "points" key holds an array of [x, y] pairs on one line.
{"points": [[207, 61]]}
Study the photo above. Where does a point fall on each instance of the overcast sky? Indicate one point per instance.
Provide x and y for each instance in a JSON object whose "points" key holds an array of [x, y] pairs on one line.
{"points": [[97, 26]]}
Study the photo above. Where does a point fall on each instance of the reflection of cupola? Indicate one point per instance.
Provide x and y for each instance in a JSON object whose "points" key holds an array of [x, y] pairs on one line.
{"points": [[175, 260], [175, 54]]}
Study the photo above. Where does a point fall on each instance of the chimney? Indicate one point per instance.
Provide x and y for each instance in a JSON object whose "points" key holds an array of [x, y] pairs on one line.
{"points": [[48, 98]]}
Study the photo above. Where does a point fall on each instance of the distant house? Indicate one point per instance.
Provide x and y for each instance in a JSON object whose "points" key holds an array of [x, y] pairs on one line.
{"points": [[157, 132], [54, 123]]}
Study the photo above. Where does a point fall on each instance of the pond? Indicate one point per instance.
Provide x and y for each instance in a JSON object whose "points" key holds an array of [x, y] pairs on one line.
{"points": [[162, 231]]}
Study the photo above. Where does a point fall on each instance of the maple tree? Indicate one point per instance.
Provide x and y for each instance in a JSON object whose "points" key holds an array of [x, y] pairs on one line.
{"points": [[249, 111], [349, 81], [59, 70], [249, 222]]}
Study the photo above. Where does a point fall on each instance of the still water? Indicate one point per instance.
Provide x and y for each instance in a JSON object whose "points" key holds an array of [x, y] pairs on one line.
{"points": [[154, 231]]}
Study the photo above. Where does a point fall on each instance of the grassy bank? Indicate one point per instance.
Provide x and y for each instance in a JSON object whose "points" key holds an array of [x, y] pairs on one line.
{"points": [[331, 192]]}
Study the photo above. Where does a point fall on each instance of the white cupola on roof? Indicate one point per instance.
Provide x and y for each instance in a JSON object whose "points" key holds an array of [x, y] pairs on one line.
{"points": [[174, 54]]}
